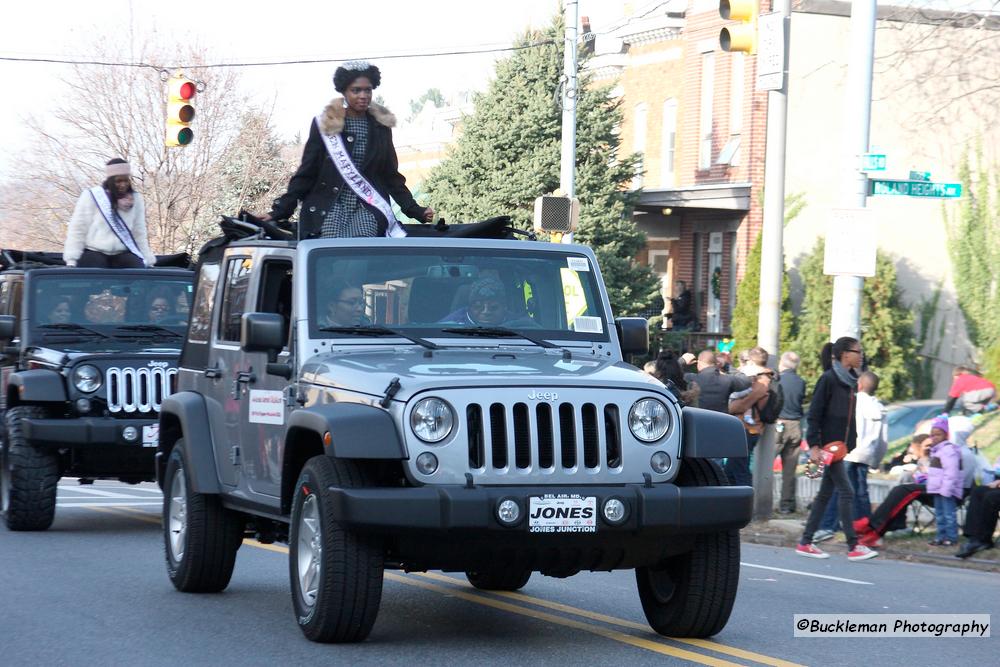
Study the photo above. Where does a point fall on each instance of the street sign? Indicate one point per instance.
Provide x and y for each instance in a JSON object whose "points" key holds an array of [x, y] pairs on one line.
{"points": [[920, 176], [851, 243], [915, 189], [771, 51], [873, 162]]}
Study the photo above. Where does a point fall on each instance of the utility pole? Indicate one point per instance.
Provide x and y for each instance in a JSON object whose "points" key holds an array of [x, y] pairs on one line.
{"points": [[845, 318], [772, 263], [567, 166]]}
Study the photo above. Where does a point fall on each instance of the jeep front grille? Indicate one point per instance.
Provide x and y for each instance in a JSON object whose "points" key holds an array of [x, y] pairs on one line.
{"points": [[137, 389], [524, 437]]}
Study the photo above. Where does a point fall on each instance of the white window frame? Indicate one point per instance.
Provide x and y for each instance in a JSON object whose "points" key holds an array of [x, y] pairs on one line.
{"points": [[668, 144], [705, 110], [640, 127]]}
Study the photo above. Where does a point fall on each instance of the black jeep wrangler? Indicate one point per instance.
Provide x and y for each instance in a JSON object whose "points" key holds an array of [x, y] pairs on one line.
{"points": [[88, 356]]}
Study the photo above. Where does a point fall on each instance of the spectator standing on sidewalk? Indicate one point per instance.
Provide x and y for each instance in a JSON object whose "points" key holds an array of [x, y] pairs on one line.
{"points": [[944, 483], [869, 419], [831, 418], [715, 386], [748, 405], [789, 427]]}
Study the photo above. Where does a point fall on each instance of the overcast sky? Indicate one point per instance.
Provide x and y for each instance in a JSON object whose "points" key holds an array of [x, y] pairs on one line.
{"points": [[256, 30]]}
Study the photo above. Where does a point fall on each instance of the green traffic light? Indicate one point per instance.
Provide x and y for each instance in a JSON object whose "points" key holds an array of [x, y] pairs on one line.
{"points": [[184, 136]]}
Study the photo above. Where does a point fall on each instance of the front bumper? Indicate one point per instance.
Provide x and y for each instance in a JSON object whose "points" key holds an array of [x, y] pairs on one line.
{"points": [[82, 432], [664, 508]]}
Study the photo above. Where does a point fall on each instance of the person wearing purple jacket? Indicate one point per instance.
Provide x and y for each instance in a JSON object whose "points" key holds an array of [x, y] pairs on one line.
{"points": [[944, 483]]}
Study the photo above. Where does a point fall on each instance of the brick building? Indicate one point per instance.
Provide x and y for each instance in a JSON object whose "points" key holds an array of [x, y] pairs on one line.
{"points": [[693, 113]]}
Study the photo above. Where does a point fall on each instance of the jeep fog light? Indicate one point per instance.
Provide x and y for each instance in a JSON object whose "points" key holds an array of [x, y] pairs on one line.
{"points": [[83, 405], [87, 378], [432, 419], [615, 511], [130, 433], [508, 512], [659, 462], [648, 419], [427, 464]]}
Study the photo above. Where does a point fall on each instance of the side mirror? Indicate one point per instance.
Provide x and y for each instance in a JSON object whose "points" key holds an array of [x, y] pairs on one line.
{"points": [[633, 332], [8, 327], [262, 332]]}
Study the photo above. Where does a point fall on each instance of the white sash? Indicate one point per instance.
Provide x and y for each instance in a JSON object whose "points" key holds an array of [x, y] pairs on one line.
{"points": [[357, 182], [115, 222]]}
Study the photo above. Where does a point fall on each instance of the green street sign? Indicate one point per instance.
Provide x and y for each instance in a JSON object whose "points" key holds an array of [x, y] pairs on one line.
{"points": [[920, 176], [873, 162], [915, 189]]}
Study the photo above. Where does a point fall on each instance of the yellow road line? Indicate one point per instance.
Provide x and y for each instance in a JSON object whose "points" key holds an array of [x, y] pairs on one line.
{"points": [[621, 637], [611, 620], [117, 511]]}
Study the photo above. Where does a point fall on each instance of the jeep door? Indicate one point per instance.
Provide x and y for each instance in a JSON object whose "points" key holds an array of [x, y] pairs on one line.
{"points": [[11, 286], [264, 406], [229, 386]]}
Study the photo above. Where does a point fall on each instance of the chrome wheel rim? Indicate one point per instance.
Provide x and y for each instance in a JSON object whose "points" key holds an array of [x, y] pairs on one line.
{"points": [[177, 516], [309, 550]]}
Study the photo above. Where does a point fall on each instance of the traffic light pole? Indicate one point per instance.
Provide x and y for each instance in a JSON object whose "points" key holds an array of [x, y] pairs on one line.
{"points": [[772, 264], [845, 318], [567, 166]]}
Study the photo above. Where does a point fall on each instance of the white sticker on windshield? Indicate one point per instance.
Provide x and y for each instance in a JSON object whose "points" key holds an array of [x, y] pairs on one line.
{"points": [[577, 263], [588, 324]]}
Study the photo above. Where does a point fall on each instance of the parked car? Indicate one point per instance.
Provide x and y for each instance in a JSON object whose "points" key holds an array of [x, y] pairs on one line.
{"points": [[904, 417]]}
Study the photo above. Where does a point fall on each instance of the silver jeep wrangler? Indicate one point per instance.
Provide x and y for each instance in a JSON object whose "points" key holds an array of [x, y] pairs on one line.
{"points": [[447, 403]]}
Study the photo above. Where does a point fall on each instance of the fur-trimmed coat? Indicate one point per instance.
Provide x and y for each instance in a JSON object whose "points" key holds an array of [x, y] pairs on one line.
{"points": [[317, 182]]}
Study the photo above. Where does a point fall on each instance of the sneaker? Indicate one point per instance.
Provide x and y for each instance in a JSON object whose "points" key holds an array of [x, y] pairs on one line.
{"points": [[810, 551], [861, 552], [870, 539], [822, 535]]}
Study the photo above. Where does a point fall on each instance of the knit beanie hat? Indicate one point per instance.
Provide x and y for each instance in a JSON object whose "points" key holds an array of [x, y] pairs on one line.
{"points": [[940, 423]]}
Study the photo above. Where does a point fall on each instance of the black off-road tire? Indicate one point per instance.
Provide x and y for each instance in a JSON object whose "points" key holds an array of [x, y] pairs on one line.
{"points": [[692, 594], [492, 580], [203, 561], [29, 477], [347, 588]]}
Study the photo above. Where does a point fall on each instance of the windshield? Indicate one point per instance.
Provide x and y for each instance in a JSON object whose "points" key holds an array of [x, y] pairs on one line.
{"points": [[425, 292], [90, 308]]}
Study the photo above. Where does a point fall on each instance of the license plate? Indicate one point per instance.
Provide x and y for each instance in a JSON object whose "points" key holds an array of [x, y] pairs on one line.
{"points": [[562, 514], [150, 435]]}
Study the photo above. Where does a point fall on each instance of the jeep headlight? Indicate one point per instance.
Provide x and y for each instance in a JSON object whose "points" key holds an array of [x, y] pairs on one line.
{"points": [[432, 419], [648, 419], [87, 378]]}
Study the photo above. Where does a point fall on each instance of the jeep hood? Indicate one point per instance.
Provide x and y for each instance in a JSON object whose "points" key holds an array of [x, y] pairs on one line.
{"points": [[371, 371]]}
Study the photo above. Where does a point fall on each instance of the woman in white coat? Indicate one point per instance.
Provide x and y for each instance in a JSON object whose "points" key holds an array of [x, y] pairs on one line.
{"points": [[108, 227]]}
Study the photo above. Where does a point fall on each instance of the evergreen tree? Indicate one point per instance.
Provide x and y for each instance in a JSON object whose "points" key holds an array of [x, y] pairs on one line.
{"points": [[745, 314], [508, 154], [886, 324], [974, 246]]}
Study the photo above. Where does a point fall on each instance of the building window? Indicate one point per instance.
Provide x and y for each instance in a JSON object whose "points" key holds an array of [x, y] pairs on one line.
{"points": [[736, 90], [705, 121], [668, 144], [639, 122]]}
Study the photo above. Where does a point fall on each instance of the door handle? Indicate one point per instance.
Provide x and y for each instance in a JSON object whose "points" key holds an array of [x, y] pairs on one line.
{"points": [[247, 377], [213, 373]]}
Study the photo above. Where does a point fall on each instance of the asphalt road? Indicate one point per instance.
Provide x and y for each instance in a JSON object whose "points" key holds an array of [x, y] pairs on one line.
{"points": [[93, 590]]}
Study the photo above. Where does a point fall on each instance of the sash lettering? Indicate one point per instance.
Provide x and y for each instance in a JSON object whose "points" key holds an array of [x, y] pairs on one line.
{"points": [[115, 222], [358, 183]]}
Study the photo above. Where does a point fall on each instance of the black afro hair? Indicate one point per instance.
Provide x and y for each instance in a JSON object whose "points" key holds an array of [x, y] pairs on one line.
{"points": [[348, 72]]}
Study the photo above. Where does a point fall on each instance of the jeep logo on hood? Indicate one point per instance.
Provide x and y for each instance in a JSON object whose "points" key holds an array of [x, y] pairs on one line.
{"points": [[159, 364], [536, 395]]}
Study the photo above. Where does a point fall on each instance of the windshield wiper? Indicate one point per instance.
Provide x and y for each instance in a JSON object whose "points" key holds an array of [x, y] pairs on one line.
{"points": [[362, 330], [72, 328], [499, 332], [148, 328]]}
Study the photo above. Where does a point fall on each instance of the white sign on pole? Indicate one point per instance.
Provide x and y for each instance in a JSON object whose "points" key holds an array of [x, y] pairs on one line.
{"points": [[770, 51], [851, 243]]}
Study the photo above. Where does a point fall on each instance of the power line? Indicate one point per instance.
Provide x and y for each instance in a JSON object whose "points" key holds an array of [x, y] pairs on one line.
{"points": [[272, 63]]}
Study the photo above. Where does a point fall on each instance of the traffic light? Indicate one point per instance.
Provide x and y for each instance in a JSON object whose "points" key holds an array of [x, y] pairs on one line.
{"points": [[180, 110], [741, 36]]}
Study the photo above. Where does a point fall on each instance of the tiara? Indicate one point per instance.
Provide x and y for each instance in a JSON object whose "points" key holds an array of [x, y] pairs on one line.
{"points": [[356, 65]]}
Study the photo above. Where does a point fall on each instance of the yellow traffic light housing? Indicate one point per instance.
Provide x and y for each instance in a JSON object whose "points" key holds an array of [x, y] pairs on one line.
{"points": [[740, 36], [180, 110]]}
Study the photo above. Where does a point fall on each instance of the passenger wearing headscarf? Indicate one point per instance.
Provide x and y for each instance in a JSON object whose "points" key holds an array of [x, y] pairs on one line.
{"points": [[348, 196]]}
